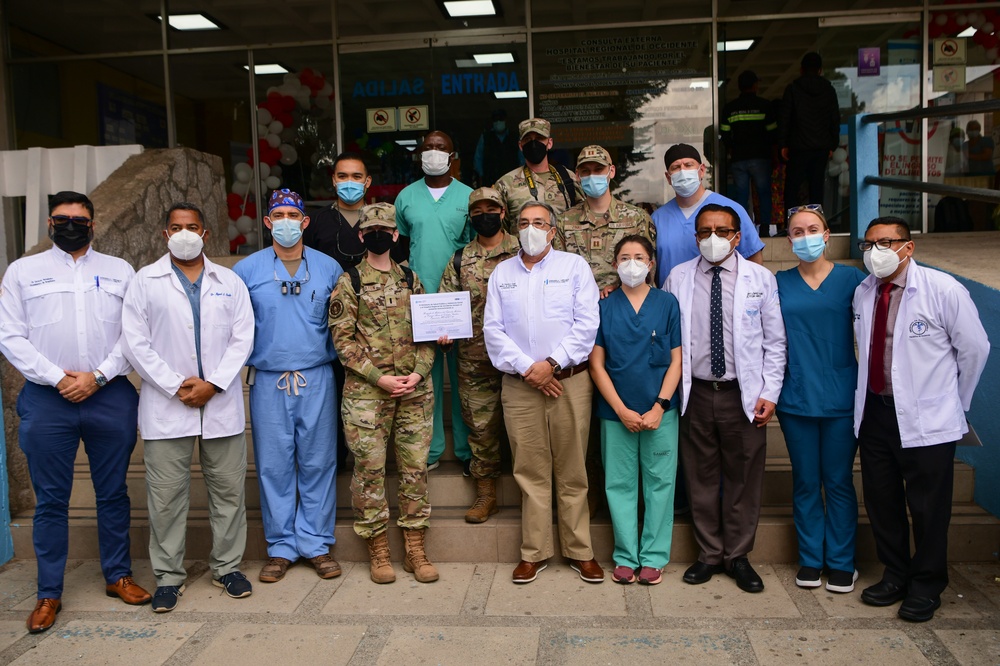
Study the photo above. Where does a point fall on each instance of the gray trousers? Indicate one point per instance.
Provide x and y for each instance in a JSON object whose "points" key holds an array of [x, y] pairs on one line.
{"points": [[168, 492]]}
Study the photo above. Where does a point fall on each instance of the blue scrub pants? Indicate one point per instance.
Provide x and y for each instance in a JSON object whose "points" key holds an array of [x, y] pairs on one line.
{"points": [[295, 451], [822, 451], [459, 431], [651, 454], [50, 433]]}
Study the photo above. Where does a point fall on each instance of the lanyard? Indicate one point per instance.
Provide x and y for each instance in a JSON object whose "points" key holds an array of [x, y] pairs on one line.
{"points": [[534, 188], [341, 224]]}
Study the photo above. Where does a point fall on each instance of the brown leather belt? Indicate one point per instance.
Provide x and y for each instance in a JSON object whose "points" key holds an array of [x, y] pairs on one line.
{"points": [[566, 373], [731, 385]]}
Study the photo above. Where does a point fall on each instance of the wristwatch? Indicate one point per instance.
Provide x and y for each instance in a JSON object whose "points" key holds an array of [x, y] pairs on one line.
{"points": [[100, 379], [663, 402], [555, 366]]}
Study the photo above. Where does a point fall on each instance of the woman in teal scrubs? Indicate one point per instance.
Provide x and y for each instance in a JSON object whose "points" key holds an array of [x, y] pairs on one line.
{"points": [[636, 366], [816, 407]]}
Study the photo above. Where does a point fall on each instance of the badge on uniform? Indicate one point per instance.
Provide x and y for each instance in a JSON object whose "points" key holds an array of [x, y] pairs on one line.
{"points": [[390, 300], [596, 243], [336, 309]]}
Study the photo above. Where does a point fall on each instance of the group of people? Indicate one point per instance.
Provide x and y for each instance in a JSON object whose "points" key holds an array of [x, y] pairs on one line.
{"points": [[686, 378]]}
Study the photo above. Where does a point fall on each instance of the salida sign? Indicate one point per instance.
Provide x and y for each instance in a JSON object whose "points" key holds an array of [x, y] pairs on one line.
{"points": [[462, 83]]}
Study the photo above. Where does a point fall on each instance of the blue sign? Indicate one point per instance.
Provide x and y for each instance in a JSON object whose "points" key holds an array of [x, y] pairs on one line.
{"points": [[471, 83], [388, 88]]}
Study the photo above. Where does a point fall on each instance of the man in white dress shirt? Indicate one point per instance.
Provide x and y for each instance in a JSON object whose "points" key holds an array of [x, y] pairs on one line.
{"points": [[188, 327], [540, 322], [60, 326]]}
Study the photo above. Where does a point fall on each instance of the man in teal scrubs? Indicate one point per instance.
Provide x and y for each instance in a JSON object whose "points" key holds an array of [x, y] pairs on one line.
{"points": [[433, 212]]}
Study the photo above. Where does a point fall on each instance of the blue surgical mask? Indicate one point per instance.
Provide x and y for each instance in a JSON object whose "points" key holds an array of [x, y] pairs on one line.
{"points": [[350, 191], [685, 182], [286, 232], [809, 248], [499, 126], [594, 186]]}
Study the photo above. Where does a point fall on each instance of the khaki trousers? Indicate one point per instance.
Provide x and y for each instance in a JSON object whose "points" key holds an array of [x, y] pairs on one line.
{"points": [[548, 437]]}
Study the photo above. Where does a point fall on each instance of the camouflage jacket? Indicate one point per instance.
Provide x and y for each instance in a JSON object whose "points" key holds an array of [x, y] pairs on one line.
{"points": [[373, 334], [476, 268], [513, 187], [594, 238]]}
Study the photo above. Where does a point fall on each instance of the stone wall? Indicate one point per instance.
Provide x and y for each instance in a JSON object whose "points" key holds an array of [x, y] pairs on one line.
{"points": [[128, 212]]}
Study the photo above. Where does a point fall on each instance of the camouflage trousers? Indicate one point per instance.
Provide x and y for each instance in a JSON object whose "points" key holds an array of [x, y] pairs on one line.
{"points": [[369, 426], [479, 394]]}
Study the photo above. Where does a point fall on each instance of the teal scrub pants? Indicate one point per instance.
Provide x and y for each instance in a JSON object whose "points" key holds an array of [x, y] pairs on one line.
{"points": [[653, 455], [459, 431]]}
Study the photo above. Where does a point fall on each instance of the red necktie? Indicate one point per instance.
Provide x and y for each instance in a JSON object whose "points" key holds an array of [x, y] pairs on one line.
{"points": [[876, 361]]}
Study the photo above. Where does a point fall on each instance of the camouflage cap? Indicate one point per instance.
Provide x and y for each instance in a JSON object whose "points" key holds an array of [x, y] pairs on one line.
{"points": [[378, 215], [594, 154], [485, 194], [537, 125]]}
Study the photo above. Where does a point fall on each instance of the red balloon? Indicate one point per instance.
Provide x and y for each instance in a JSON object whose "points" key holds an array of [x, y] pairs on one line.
{"points": [[233, 199], [251, 210], [235, 212], [288, 103], [236, 242]]}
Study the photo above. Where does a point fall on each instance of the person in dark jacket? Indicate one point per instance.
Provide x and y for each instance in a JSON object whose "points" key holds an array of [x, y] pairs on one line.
{"points": [[748, 130], [497, 151], [809, 130]]}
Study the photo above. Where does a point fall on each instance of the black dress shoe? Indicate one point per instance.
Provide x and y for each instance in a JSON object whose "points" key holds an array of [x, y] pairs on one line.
{"points": [[883, 593], [919, 609], [746, 578], [699, 573]]}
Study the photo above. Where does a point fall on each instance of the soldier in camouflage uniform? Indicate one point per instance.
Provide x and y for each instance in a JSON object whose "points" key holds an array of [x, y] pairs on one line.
{"points": [[478, 381], [538, 179], [593, 227], [388, 394]]}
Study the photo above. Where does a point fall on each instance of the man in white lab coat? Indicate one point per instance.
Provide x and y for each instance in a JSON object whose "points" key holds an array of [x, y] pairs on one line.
{"points": [[188, 328], [733, 345], [921, 351]]}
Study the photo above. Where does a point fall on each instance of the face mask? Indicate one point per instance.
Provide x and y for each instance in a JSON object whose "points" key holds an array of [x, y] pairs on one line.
{"points": [[534, 152], [185, 244], [809, 248], [633, 272], [685, 182], [286, 232], [594, 186], [974, 135], [350, 191], [434, 162], [378, 242], [486, 224], [500, 126], [714, 249], [71, 236], [533, 241], [882, 263]]}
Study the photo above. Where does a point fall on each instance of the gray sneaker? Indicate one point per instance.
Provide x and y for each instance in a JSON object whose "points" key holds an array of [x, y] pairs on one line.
{"points": [[235, 584]]}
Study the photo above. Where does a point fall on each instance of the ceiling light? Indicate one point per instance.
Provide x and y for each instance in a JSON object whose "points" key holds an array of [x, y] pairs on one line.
{"points": [[869, 19], [273, 68], [736, 45], [493, 58], [467, 62], [511, 94], [191, 22], [460, 8], [406, 142], [968, 32]]}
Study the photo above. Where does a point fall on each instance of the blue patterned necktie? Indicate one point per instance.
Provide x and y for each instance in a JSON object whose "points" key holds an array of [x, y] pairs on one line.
{"points": [[718, 346]]}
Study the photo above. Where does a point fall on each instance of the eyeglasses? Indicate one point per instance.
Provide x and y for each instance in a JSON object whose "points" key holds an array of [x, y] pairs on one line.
{"points": [[65, 219], [807, 208], [538, 224], [882, 243], [702, 234]]}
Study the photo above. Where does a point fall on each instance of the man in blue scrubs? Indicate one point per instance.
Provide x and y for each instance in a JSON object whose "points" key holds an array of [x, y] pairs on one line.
{"points": [[434, 213], [293, 394]]}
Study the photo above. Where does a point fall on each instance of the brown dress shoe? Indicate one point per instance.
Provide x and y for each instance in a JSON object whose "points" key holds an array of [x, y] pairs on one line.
{"points": [[128, 591], [590, 571], [525, 572], [326, 566], [44, 615], [274, 570]]}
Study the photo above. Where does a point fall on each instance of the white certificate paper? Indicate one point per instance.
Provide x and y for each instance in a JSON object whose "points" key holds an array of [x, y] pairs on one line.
{"points": [[435, 315]]}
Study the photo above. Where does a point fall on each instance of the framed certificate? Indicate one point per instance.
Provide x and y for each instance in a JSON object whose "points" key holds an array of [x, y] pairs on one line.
{"points": [[434, 315]]}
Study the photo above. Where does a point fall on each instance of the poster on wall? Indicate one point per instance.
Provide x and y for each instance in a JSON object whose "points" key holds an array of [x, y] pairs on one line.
{"points": [[869, 61], [901, 159], [126, 119]]}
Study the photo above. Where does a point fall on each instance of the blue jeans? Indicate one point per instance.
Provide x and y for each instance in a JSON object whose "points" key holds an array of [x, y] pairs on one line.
{"points": [[758, 171]]}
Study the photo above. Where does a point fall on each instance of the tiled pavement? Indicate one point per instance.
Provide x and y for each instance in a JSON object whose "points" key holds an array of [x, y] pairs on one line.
{"points": [[475, 615]]}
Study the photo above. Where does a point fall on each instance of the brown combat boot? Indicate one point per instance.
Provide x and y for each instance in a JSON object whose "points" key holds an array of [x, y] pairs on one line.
{"points": [[486, 502], [378, 552], [416, 561]]}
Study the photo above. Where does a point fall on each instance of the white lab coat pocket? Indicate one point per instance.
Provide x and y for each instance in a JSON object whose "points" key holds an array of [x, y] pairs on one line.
{"points": [[940, 414]]}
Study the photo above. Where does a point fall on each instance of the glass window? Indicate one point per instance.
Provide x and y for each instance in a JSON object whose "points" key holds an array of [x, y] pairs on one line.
{"points": [[390, 17], [549, 13], [634, 92], [64, 27], [737, 8]]}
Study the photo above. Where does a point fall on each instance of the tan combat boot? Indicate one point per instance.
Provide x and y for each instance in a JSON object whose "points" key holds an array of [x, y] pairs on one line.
{"points": [[378, 552], [416, 561], [486, 502]]}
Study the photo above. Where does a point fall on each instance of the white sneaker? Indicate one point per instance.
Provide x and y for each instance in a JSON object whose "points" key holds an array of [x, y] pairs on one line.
{"points": [[841, 582]]}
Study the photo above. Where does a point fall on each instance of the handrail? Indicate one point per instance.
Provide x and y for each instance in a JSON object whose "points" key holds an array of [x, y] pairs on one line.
{"points": [[960, 191], [948, 110]]}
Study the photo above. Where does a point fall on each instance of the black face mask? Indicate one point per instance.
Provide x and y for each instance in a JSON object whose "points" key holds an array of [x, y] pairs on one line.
{"points": [[486, 224], [534, 151], [378, 242], [71, 236]]}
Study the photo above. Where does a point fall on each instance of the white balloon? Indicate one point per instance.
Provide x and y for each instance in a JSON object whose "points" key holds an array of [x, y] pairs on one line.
{"points": [[241, 188], [961, 20], [262, 129], [245, 224], [845, 168], [323, 102], [325, 90], [290, 77], [272, 89], [265, 170], [263, 116], [845, 179], [241, 169], [275, 127], [976, 20], [233, 231], [287, 90], [839, 156], [276, 170], [833, 170], [272, 182], [941, 19], [273, 140], [251, 238], [288, 154], [987, 28]]}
